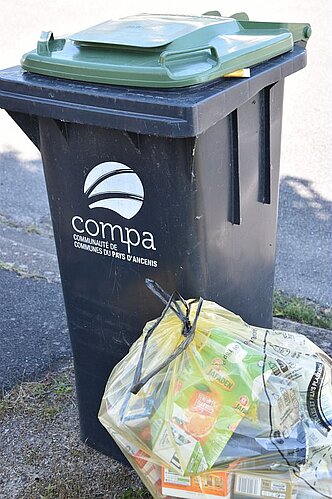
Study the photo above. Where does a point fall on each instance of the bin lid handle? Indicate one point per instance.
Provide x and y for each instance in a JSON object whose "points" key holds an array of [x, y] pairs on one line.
{"points": [[48, 44], [239, 16], [182, 54]]}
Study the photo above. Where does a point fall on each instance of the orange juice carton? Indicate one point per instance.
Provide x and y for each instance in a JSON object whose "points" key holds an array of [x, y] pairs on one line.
{"points": [[211, 396]]}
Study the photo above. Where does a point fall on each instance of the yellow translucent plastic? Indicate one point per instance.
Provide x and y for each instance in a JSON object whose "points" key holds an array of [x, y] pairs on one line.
{"points": [[239, 402]]}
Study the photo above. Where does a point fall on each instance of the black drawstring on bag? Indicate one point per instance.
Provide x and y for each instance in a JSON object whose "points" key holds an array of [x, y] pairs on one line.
{"points": [[188, 330]]}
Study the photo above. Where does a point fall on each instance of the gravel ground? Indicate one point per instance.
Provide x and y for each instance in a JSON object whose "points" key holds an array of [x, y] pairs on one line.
{"points": [[42, 455]]}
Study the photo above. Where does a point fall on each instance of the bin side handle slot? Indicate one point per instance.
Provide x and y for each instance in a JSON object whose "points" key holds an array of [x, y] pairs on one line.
{"points": [[264, 190], [135, 140], [63, 126], [235, 202]]}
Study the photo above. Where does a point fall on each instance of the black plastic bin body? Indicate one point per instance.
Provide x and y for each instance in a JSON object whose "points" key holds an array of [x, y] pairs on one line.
{"points": [[208, 159]]}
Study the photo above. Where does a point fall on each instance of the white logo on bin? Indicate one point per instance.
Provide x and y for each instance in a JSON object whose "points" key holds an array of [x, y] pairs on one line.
{"points": [[116, 187]]}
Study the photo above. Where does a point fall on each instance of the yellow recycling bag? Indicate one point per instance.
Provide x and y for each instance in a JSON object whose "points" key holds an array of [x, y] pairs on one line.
{"points": [[203, 392]]}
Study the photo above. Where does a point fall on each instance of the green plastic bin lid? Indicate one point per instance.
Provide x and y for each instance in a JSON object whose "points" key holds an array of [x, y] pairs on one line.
{"points": [[162, 50]]}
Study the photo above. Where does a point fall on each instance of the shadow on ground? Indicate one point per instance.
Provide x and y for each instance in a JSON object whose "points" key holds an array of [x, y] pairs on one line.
{"points": [[303, 265], [23, 196], [33, 328]]}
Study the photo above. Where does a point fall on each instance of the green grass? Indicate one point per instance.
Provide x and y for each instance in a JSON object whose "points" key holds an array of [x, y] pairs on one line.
{"points": [[301, 310], [57, 463], [46, 395], [78, 485], [30, 229], [21, 272], [33, 229], [136, 494], [70, 489], [5, 221]]}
